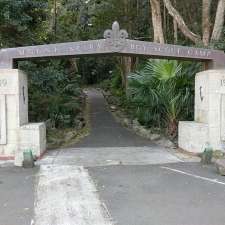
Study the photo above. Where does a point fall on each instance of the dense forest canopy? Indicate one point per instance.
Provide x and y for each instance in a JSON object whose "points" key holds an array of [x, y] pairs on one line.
{"points": [[26, 22]]}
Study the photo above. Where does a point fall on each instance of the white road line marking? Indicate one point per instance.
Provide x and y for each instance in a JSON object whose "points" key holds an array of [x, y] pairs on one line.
{"points": [[193, 175], [66, 195]]}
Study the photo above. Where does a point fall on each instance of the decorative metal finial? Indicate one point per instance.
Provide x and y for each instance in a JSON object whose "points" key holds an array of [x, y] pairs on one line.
{"points": [[116, 38]]}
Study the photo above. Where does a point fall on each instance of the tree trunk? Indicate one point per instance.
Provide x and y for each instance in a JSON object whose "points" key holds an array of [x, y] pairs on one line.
{"points": [[126, 64], [165, 24], [137, 7], [181, 24], [175, 33], [55, 18], [206, 6], [73, 65], [175, 30], [157, 21], [134, 63], [219, 21]]}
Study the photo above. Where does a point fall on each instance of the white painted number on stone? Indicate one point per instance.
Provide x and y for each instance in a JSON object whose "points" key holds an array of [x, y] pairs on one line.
{"points": [[3, 83], [222, 82]]}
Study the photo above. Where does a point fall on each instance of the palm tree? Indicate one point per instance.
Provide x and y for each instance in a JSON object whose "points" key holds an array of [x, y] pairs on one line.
{"points": [[162, 93]]}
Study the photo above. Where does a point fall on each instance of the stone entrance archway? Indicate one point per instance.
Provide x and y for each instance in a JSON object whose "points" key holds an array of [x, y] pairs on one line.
{"points": [[17, 134]]}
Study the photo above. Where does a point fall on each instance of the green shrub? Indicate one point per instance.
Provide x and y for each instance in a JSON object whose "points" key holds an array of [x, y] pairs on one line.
{"points": [[105, 85], [162, 93], [54, 93], [116, 80]]}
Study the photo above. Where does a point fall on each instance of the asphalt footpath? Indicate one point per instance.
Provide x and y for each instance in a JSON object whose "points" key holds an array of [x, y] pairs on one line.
{"points": [[17, 195]]}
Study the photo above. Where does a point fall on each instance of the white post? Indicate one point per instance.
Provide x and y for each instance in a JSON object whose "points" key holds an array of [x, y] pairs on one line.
{"points": [[16, 134], [209, 124]]}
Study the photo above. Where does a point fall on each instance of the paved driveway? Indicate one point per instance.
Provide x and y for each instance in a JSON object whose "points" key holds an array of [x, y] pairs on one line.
{"points": [[169, 194], [112, 177], [16, 195]]}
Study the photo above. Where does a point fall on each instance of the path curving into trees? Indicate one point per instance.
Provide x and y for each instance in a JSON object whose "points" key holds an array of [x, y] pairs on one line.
{"points": [[105, 131]]}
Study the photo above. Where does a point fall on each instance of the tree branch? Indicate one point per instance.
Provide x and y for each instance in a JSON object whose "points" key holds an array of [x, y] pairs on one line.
{"points": [[181, 24], [219, 21], [206, 6], [157, 21]]}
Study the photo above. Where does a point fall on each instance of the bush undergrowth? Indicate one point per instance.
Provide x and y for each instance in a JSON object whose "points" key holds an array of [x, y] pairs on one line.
{"points": [[54, 93], [159, 95]]}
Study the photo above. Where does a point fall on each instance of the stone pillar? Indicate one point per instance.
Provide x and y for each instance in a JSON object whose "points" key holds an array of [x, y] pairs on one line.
{"points": [[209, 124], [16, 134]]}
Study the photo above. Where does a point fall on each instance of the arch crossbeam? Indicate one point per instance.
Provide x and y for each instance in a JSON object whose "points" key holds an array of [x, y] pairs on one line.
{"points": [[115, 42]]}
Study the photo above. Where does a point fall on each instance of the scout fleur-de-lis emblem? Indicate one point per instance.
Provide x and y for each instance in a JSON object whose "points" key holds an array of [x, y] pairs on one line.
{"points": [[116, 38]]}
